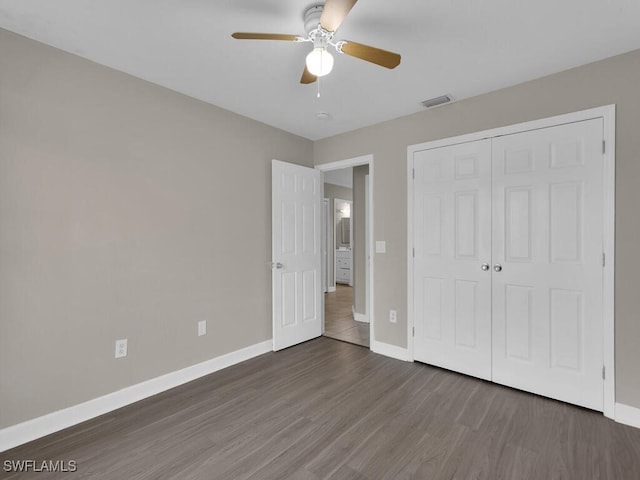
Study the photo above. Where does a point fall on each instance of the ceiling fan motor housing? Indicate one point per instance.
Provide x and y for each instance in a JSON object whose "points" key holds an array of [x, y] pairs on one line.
{"points": [[312, 18]]}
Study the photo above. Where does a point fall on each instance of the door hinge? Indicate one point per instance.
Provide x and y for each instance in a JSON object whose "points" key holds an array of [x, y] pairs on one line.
{"points": [[604, 260], [413, 331], [414, 252], [413, 174], [603, 372], [604, 148]]}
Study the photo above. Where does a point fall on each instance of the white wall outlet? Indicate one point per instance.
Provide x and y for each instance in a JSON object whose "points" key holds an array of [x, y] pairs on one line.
{"points": [[202, 328], [393, 316], [381, 246], [121, 348]]}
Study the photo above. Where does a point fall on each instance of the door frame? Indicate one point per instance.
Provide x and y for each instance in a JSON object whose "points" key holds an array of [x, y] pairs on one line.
{"points": [[608, 114], [326, 205], [356, 162], [367, 243]]}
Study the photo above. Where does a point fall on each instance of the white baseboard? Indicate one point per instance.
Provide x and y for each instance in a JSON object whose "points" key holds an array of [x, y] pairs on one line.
{"points": [[389, 350], [359, 317], [332, 289], [24, 432], [627, 415]]}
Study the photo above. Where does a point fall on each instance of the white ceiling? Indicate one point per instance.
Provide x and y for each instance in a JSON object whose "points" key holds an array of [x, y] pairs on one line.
{"points": [[458, 47]]}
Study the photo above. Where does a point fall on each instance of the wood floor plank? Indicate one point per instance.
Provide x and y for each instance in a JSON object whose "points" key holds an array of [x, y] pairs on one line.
{"points": [[331, 410]]}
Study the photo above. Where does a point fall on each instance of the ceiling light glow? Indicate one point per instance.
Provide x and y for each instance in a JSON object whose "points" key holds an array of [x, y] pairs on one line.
{"points": [[319, 62]]}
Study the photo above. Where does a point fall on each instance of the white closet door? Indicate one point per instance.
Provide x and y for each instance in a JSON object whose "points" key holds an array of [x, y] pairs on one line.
{"points": [[452, 228], [547, 240]]}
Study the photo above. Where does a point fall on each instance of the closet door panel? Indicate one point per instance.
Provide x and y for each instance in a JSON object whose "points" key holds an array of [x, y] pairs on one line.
{"points": [[547, 240], [452, 228]]}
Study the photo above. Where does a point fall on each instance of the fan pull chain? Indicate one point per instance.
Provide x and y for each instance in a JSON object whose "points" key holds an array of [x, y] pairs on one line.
{"points": [[318, 87]]}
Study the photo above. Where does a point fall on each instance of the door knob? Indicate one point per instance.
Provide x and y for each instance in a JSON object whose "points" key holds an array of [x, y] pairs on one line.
{"points": [[485, 267], [277, 265], [497, 267]]}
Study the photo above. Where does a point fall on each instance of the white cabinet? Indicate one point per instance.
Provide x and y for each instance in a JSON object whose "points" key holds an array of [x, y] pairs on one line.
{"points": [[343, 266]]}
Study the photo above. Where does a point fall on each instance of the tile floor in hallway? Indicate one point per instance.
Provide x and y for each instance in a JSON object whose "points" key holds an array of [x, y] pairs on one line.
{"points": [[338, 317]]}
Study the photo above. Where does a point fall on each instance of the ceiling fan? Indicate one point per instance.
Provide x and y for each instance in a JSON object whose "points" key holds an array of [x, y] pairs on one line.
{"points": [[320, 24]]}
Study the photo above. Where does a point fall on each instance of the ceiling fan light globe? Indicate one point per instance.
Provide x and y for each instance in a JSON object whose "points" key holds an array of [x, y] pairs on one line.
{"points": [[319, 62]]}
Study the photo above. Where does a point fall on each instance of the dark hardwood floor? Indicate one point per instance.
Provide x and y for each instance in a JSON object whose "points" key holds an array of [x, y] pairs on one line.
{"points": [[338, 317], [327, 409]]}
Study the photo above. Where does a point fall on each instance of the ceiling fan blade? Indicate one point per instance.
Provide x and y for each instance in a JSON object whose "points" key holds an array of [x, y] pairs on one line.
{"points": [[371, 54], [334, 13], [307, 76], [265, 36]]}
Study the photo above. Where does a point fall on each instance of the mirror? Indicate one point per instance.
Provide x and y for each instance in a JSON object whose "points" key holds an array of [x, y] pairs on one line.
{"points": [[345, 230], [342, 223]]}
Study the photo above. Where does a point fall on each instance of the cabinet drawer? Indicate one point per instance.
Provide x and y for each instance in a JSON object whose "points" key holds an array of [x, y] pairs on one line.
{"points": [[343, 262], [343, 274]]}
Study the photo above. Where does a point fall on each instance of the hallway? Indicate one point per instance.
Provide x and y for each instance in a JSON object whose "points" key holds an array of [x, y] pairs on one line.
{"points": [[339, 323]]}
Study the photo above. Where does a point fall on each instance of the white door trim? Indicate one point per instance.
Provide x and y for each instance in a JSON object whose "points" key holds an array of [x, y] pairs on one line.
{"points": [[325, 244], [356, 162], [607, 113], [608, 297], [367, 247]]}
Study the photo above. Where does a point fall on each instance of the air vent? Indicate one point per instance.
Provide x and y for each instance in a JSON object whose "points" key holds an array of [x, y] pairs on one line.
{"points": [[434, 102]]}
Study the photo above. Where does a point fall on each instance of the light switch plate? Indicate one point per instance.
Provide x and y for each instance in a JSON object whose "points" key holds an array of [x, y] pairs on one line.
{"points": [[202, 328], [381, 246]]}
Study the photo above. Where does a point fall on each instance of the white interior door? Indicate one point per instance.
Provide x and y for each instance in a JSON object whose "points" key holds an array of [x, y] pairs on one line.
{"points": [[296, 253], [547, 255], [452, 238]]}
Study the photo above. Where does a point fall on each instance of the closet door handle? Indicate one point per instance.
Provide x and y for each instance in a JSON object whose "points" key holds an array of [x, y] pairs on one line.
{"points": [[485, 267], [497, 267]]}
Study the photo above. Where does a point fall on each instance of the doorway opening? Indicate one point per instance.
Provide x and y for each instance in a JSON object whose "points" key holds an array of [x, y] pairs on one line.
{"points": [[347, 268]]}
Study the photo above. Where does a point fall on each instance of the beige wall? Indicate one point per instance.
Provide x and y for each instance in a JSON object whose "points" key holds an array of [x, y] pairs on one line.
{"points": [[615, 80], [126, 211], [359, 237], [332, 192]]}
